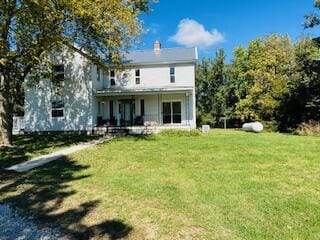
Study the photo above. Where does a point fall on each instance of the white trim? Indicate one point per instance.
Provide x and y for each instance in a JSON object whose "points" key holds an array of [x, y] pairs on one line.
{"points": [[196, 52], [139, 91], [172, 75]]}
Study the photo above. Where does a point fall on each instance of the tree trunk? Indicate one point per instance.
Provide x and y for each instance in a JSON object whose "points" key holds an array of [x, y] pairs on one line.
{"points": [[6, 116]]}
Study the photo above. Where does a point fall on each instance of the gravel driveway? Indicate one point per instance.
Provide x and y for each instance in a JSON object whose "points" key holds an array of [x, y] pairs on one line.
{"points": [[15, 226]]}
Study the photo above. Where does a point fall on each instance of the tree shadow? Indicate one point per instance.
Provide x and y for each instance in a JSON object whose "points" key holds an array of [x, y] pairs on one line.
{"points": [[37, 143], [42, 193]]}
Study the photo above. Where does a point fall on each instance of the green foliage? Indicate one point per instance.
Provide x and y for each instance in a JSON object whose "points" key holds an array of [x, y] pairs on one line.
{"points": [[272, 80], [211, 90], [180, 133], [301, 103], [312, 19], [267, 75]]}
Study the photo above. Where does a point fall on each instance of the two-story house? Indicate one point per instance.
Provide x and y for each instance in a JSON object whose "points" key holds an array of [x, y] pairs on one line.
{"points": [[156, 90]]}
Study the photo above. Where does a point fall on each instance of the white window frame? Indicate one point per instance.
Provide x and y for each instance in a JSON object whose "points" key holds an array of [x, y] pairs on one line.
{"points": [[137, 77], [57, 91], [59, 73], [172, 75], [57, 109]]}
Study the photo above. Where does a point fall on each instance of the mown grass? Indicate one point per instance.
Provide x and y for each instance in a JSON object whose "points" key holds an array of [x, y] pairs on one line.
{"points": [[28, 146], [224, 185]]}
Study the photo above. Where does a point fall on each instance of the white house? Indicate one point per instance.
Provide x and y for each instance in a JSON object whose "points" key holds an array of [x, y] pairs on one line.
{"points": [[156, 90]]}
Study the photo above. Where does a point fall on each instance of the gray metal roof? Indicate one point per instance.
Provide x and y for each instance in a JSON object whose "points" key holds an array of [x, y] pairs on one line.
{"points": [[165, 55]]}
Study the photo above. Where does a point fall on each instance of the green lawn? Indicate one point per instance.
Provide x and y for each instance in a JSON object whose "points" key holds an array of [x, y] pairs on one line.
{"points": [[33, 145], [225, 185]]}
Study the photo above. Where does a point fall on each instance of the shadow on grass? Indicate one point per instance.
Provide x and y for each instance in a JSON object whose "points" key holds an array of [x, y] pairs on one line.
{"points": [[42, 193], [25, 145]]}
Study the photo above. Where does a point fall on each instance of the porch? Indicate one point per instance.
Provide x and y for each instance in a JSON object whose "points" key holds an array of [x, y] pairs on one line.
{"points": [[101, 130], [144, 111]]}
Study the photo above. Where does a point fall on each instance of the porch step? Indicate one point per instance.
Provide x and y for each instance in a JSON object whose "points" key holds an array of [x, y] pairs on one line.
{"points": [[113, 130]]}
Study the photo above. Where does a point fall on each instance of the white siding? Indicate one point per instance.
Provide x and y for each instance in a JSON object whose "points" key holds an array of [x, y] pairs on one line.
{"points": [[77, 95], [153, 77]]}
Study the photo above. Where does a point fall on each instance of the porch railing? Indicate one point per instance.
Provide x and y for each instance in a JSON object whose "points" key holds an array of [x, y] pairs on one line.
{"points": [[18, 124], [151, 120], [145, 120]]}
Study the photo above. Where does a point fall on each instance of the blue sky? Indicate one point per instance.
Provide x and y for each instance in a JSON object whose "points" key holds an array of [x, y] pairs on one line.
{"points": [[214, 24]]}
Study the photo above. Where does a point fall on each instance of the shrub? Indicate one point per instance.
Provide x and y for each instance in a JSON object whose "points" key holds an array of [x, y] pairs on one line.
{"points": [[309, 128], [180, 133]]}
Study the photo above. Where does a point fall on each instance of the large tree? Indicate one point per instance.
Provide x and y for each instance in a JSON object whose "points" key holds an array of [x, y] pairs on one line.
{"points": [[313, 19], [269, 64], [210, 89], [30, 29], [302, 102]]}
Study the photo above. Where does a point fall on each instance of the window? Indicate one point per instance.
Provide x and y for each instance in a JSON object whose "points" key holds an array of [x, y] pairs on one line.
{"points": [[142, 107], [171, 112], [57, 108], [166, 112], [112, 78], [176, 112], [137, 76], [111, 109], [58, 72], [58, 68], [57, 104], [98, 74], [99, 108], [172, 75]]}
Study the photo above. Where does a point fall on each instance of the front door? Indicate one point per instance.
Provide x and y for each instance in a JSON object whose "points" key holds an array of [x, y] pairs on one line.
{"points": [[126, 110]]}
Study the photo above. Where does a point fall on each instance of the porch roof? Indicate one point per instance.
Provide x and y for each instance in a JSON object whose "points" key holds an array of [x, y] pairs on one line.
{"points": [[139, 91]]}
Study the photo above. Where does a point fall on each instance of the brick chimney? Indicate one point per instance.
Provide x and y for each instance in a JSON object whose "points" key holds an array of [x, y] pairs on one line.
{"points": [[157, 45]]}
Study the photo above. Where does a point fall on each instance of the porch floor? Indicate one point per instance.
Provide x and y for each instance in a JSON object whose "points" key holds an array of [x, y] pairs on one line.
{"points": [[138, 129]]}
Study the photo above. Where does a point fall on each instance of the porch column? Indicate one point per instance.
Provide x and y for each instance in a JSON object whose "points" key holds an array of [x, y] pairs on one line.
{"points": [[131, 110], [117, 112], [159, 110], [187, 118]]}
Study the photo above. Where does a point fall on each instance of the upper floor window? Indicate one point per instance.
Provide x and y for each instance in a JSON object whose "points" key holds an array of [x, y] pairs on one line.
{"points": [[137, 76], [58, 72], [98, 74], [172, 75], [58, 80], [112, 78]]}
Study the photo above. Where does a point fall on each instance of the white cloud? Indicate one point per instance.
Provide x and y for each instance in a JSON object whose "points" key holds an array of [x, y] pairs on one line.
{"points": [[193, 34]]}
